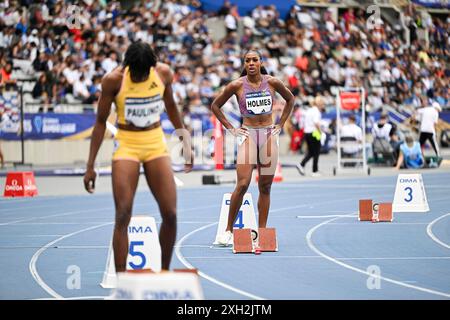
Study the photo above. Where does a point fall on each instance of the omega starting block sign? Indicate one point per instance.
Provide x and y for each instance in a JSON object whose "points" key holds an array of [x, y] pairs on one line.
{"points": [[176, 285], [410, 194], [245, 219], [144, 250], [20, 184]]}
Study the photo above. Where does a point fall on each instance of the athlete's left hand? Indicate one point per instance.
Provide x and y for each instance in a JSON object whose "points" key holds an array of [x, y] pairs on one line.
{"points": [[276, 130]]}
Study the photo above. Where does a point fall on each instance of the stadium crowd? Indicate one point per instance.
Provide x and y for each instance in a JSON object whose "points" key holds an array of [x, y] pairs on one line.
{"points": [[71, 50]]}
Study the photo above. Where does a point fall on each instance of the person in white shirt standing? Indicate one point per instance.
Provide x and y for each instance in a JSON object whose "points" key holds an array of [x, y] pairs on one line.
{"points": [[428, 117], [312, 135]]}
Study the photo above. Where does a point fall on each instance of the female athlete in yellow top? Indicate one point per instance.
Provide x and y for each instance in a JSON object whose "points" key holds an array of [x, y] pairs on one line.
{"points": [[140, 89]]}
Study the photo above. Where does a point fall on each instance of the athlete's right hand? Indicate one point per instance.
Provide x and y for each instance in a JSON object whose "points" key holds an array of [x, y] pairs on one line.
{"points": [[239, 132], [89, 180]]}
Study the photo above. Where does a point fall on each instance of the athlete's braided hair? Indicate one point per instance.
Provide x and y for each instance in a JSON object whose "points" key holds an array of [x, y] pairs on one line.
{"points": [[139, 57]]}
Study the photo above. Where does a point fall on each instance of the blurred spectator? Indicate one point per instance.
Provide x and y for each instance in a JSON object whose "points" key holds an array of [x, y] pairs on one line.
{"points": [[42, 90], [382, 129], [2, 158], [231, 21], [313, 135], [352, 134], [381, 145], [296, 129], [428, 116], [410, 156], [110, 63], [225, 9], [5, 74], [80, 88]]}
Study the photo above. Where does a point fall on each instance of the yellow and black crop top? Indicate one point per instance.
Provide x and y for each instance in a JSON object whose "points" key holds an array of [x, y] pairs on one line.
{"points": [[140, 103]]}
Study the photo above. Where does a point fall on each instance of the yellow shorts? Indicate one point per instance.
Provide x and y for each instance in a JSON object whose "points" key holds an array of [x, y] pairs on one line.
{"points": [[140, 146]]}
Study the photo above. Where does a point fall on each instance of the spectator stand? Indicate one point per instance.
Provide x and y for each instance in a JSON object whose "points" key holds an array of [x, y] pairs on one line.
{"points": [[353, 100]]}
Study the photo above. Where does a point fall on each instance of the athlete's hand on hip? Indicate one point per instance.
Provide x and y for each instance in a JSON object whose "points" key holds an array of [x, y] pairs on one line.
{"points": [[276, 130], [239, 132], [89, 180]]}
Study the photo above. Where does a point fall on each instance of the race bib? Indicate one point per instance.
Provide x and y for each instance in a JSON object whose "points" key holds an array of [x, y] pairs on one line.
{"points": [[258, 102], [143, 112]]}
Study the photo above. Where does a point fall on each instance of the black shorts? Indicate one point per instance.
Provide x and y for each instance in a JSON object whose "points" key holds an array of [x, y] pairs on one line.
{"points": [[424, 136]]}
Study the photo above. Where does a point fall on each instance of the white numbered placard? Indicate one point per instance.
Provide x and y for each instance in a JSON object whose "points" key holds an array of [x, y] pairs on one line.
{"points": [[144, 251], [245, 218], [410, 194]]}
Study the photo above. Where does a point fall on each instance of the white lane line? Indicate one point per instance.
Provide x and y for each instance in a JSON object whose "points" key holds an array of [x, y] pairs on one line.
{"points": [[326, 216], [319, 204], [395, 258], [33, 201], [57, 223], [31, 208], [251, 256], [262, 256], [431, 234], [76, 298], [195, 246], [88, 210], [381, 223], [188, 222], [204, 275], [5, 212], [54, 247], [29, 235], [334, 260], [33, 261], [93, 222], [337, 187], [81, 247], [57, 215]]}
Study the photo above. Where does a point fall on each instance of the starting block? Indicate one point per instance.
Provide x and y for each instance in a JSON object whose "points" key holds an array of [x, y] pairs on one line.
{"points": [[242, 241], [365, 210], [375, 212], [267, 240], [385, 212], [248, 241]]}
